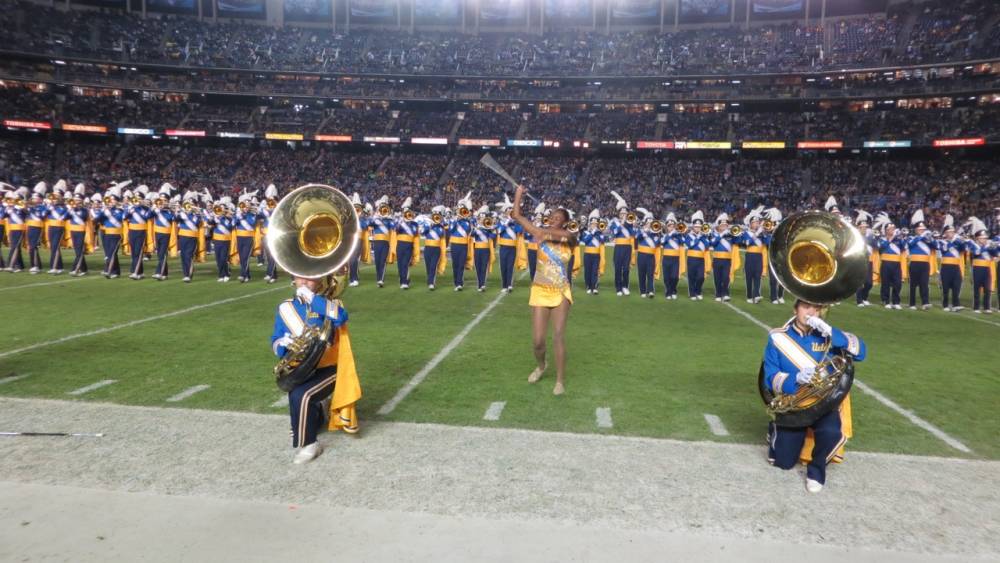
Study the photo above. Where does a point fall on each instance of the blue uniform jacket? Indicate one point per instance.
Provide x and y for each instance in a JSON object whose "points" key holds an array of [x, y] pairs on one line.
{"points": [[783, 360]]}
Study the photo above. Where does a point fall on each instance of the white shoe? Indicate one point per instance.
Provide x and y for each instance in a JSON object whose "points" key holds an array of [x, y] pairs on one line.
{"points": [[595, 292], [626, 291], [775, 302], [813, 486], [866, 302], [888, 306], [112, 276], [674, 297], [52, 271], [309, 453], [726, 299], [353, 284], [187, 279], [694, 298], [480, 289], [897, 306], [988, 311], [957, 308], [926, 307], [458, 288], [220, 280], [913, 307], [431, 287], [781, 300], [756, 300], [33, 271], [719, 299], [947, 309], [749, 300], [155, 276], [977, 311], [139, 277], [862, 305], [701, 298], [272, 280], [380, 284], [590, 292], [405, 286], [619, 294]]}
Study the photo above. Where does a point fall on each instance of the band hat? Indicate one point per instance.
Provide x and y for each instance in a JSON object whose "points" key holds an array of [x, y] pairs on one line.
{"points": [[271, 192], [722, 219], [831, 205], [595, 215], [647, 215], [540, 208], [620, 201], [505, 204], [60, 186], [698, 217], [167, 188], [917, 219], [773, 214], [408, 203], [862, 217], [949, 223], [671, 218], [97, 198], [39, 190]]}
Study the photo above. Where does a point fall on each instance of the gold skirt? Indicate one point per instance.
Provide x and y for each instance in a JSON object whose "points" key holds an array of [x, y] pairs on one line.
{"points": [[548, 296]]}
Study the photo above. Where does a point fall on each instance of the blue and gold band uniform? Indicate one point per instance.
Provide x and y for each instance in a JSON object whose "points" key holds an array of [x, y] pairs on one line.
{"points": [[861, 296], [246, 240], [592, 240], [55, 220], [164, 240], [983, 272], [335, 373], [483, 254], [407, 249], [112, 221], [788, 351], [698, 260], [725, 262], [753, 261], [16, 219], [138, 217], [190, 242], [364, 251], [776, 292], [381, 235], [952, 270], [80, 235], [222, 239], [435, 259], [647, 254], [460, 242], [36, 229], [508, 232], [922, 252], [891, 272], [270, 266], [672, 262], [623, 235]]}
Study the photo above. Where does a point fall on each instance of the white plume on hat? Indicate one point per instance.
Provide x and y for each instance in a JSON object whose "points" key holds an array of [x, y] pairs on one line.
{"points": [[382, 200], [595, 215], [621, 201], [505, 204], [647, 215], [190, 195], [862, 216], [166, 188], [755, 215], [773, 213], [60, 186], [40, 189], [439, 209], [142, 189], [831, 204], [881, 221], [355, 197], [368, 208], [722, 218], [271, 192], [466, 201], [671, 218], [96, 198], [22, 191], [698, 217], [949, 222], [540, 208], [483, 210], [408, 203], [976, 226], [80, 189], [917, 217]]}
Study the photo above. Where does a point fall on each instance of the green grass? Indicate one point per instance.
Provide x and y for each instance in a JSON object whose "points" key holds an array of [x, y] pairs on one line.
{"points": [[658, 365]]}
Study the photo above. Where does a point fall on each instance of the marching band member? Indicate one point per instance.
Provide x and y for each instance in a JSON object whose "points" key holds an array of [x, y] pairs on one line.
{"points": [[364, 253], [382, 227], [247, 233], [222, 235], [508, 238], [921, 250], [112, 219], [952, 251], [592, 240], [863, 222], [335, 377], [407, 243], [190, 240], [164, 231], [270, 201], [647, 243], [482, 244], [725, 257], [80, 231], [672, 260], [37, 212], [623, 233], [790, 360], [777, 292], [698, 256], [8, 201], [460, 237], [17, 226], [55, 227], [756, 253], [551, 295], [982, 265], [890, 250], [831, 206], [434, 234], [138, 216]]}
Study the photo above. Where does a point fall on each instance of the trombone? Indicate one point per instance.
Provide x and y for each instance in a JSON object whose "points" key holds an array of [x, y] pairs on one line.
{"points": [[656, 226], [437, 218], [735, 231], [384, 210], [631, 218], [464, 212], [602, 224], [572, 226]]}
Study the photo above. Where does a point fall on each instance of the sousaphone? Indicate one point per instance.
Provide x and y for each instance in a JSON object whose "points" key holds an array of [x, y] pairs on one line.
{"points": [[313, 233], [820, 258]]}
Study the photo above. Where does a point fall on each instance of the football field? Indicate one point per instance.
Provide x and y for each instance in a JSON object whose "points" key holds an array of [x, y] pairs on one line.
{"points": [[653, 368]]}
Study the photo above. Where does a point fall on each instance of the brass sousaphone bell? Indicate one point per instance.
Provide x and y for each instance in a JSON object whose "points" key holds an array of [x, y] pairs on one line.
{"points": [[313, 233], [820, 258]]}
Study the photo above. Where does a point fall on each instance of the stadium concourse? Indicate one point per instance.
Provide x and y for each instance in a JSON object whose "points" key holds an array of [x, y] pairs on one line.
{"points": [[173, 439]]}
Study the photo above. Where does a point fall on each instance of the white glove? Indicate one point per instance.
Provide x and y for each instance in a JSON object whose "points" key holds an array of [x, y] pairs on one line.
{"points": [[284, 340], [805, 375], [305, 294], [820, 325]]}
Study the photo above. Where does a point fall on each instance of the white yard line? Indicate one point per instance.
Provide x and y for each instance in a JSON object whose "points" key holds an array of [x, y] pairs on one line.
{"points": [[438, 358], [907, 414], [603, 415], [13, 378], [42, 284], [187, 393], [715, 425], [92, 387], [137, 322], [494, 411]]}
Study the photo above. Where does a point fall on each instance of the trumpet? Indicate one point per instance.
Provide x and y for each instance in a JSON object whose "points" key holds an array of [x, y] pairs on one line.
{"points": [[572, 226], [769, 225], [602, 224], [631, 218], [408, 214], [109, 201], [218, 209], [656, 227], [464, 212], [271, 204], [735, 231], [187, 207], [136, 200], [489, 222], [682, 228], [437, 218], [384, 210]]}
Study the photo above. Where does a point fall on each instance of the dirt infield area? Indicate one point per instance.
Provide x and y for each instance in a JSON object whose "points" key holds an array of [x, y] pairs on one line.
{"points": [[173, 484]]}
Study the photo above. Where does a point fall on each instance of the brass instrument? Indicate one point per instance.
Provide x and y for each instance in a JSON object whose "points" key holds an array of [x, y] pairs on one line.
{"points": [[187, 207], [706, 229], [313, 233], [572, 226], [682, 228], [820, 258], [136, 200], [735, 231], [242, 206], [409, 215], [464, 212], [631, 218], [489, 222], [272, 203], [768, 225], [656, 227], [218, 209], [602, 224], [108, 200], [437, 218], [384, 210]]}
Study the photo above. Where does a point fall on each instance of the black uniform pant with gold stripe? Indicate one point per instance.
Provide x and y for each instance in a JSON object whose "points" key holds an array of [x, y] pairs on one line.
{"points": [[304, 405]]}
